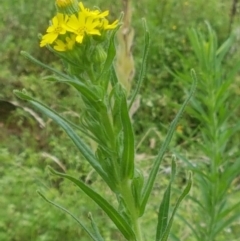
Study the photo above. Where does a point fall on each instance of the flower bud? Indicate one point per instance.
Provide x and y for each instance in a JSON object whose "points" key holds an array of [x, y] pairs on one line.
{"points": [[67, 6], [99, 55]]}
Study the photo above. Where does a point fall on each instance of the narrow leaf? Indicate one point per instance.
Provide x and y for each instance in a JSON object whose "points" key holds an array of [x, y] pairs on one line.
{"points": [[114, 78], [151, 179], [163, 212], [112, 213], [81, 145], [127, 159], [174, 168], [66, 211], [183, 195], [84, 90], [95, 228], [32, 59]]}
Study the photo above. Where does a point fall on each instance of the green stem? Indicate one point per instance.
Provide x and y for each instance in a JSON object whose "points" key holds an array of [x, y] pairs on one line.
{"points": [[128, 198]]}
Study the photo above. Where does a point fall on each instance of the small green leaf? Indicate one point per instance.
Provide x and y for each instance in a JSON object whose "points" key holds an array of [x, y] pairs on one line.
{"points": [[76, 219], [81, 145], [127, 158], [183, 195], [95, 228], [90, 95], [163, 212], [22, 95], [113, 77], [32, 59], [174, 168], [112, 213], [136, 186]]}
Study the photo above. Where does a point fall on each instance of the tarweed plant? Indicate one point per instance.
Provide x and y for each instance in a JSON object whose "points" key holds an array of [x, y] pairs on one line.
{"points": [[84, 40], [219, 164]]}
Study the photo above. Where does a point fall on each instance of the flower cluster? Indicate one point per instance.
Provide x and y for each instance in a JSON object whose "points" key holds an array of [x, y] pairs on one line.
{"points": [[66, 30]]}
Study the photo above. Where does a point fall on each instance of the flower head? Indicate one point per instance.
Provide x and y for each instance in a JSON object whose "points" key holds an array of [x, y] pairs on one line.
{"points": [[83, 25], [74, 20], [92, 13], [107, 26], [57, 28], [64, 46]]}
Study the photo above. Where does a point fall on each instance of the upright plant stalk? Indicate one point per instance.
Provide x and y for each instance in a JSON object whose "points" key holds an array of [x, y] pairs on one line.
{"points": [[213, 108], [84, 41]]}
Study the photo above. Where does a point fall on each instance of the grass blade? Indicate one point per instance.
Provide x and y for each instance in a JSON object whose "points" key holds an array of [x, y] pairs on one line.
{"points": [[127, 158]]}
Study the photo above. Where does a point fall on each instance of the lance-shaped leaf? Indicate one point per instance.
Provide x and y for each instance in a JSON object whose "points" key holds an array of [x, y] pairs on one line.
{"points": [[88, 94], [143, 65], [95, 228], [112, 213], [76, 219], [152, 176], [36, 61], [164, 206], [183, 195], [127, 158], [113, 77], [81, 145]]}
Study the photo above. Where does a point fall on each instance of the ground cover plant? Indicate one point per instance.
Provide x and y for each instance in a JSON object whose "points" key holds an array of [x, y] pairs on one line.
{"points": [[30, 141]]}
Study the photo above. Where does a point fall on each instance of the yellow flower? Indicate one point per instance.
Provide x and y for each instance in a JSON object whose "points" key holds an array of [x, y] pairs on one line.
{"points": [[95, 13], [107, 26], [57, 27], [83, 25], [64, 46]]}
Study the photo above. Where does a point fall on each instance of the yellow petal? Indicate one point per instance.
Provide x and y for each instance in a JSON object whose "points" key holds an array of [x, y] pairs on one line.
{"points": [[48, 38], [94, 32], [60, 45], [79, 38], [73, 23], [55, 21]]}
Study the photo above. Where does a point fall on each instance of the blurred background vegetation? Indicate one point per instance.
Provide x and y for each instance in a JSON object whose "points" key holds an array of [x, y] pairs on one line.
{"points": [[29, 141]]}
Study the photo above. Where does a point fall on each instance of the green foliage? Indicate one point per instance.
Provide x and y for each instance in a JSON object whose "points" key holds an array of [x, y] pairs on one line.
{"points": [[114, 161], [213, 108], [22, 140]]}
